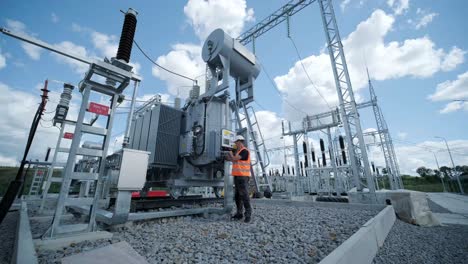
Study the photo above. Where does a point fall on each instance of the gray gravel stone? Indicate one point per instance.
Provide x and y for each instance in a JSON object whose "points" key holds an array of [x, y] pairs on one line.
{"points": [[293, 233], [8, 236], [408, 243], [277, 234]]}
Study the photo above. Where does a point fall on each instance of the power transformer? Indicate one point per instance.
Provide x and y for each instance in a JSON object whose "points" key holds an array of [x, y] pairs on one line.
{"points": [[186, 144]]}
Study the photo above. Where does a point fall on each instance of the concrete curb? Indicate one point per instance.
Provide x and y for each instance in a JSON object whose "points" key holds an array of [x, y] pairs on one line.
{"points": [[24, 247], [363, 245]]}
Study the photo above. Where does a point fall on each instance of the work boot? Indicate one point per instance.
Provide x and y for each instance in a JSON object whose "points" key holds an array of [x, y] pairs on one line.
{"points": [[237, 216], [247, 219]]}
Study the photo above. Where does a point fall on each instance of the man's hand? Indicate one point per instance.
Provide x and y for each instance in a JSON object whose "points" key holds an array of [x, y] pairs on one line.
{"points": [[229, 155]]}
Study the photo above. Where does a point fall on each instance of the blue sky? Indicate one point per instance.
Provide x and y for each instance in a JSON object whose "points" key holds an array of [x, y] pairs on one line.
{"points": [[412, 49]]}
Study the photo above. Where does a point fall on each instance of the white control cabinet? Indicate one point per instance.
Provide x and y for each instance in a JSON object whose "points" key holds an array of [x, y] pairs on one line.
{"points": [[134, 165]]}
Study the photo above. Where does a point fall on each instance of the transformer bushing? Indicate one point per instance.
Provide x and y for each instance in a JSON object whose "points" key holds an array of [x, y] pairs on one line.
{"points": [[128, 33], [64, 104]]}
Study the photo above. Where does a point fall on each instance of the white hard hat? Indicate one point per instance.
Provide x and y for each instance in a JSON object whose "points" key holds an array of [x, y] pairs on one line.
{"points": [[239, 138]]}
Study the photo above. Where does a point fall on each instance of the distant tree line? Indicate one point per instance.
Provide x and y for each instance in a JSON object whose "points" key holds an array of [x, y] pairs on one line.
{"points": [[445, 172]]}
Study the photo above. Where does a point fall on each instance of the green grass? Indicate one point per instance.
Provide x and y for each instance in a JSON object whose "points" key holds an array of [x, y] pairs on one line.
{"points": [[425, 187], [8, 174]]}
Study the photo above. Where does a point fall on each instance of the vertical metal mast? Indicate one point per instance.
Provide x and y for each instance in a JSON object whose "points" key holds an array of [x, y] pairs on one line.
{"points": [[350, 117], [388, 150]]}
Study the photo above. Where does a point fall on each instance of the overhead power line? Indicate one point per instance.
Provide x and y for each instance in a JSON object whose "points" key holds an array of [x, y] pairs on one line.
{"points": [[166, 69], [429, 148], [307, 74], [277, 89]]}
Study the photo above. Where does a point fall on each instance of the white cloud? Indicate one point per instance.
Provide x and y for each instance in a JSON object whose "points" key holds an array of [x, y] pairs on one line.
{"points": [[106, 44], [78, 28], [453, 59], [402, 135], [78, 67], [412, 156], [32, 51], [184, 59], [454, 106], [18, 108], [54, 17], [398, 6], [2, 61], [270, 125], [386, 60], [206, 16], [343, 4], [8, 161], [425, 20], [452, 90]]}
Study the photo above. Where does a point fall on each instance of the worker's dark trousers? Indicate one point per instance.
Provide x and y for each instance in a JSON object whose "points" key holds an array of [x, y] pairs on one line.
{"points": [[242, 195]]}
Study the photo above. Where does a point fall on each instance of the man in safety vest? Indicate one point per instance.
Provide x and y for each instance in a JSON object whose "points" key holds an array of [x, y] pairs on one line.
{"points": [[241, 173]]}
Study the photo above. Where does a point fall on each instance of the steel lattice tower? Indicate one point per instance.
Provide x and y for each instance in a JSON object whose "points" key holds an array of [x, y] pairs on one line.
{"points": [[355, 140], [391, 162]]}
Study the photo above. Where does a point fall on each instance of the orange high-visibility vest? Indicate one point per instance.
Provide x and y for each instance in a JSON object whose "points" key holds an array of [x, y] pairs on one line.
{"points": [[241, 167]]}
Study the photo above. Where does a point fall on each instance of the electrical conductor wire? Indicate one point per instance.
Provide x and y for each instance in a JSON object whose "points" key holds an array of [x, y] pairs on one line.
{"points": [[307, 74], [154, 62]]}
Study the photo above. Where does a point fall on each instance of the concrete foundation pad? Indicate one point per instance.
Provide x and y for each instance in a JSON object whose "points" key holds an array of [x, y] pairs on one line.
{"points": [[455, 203], [119, 253], [410, 206], [61, 242], [363, 245], [451, 219]]}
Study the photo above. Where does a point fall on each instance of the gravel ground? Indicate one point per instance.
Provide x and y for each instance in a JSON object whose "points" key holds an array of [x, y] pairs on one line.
{"points": [[435, 208], [8, 234], [277, 234], [429, 245]]}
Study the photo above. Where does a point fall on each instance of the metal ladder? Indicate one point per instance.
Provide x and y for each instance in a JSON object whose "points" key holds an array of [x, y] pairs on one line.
{"points": [[247, 113], [55, 164], [65, 200], [38, 177]]}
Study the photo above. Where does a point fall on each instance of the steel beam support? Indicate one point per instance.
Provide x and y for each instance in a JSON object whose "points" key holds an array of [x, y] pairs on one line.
{"points": [[280, 15], [296, 156], [333, 160], [347, 104], [393, 171]]}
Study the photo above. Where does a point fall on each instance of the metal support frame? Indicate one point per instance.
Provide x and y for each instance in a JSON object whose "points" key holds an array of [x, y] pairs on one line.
{"points": [[386, 143], [350, 117], [40, 171], [104, 66], [356, 147], [50, 179], [246, 114], [296, 155], [333, 160], [280, 15], [70, 174]]}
